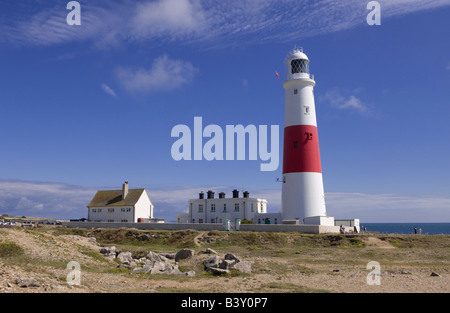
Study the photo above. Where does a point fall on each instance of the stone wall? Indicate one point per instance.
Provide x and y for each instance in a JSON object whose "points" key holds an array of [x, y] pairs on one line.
{"points": [[308, 229]]}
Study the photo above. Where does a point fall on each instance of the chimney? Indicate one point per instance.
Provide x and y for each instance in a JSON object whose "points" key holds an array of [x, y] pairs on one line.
{"points": [[210, 194], [235, 193], [222, 195], [246, 194], [125, 190], [201, 195]]}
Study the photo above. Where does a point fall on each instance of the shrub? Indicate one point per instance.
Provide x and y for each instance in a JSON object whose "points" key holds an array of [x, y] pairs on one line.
{"points": [[8, 249]]}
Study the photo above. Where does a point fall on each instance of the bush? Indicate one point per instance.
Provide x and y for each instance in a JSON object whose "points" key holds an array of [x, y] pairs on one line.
{"points": [[8, 249]]}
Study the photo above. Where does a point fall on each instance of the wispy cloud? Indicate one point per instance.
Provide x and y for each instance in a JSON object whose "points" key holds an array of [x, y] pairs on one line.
{"points": [[164, 74], [58, 200], [201, 22], [108, 90], [349, 102]]}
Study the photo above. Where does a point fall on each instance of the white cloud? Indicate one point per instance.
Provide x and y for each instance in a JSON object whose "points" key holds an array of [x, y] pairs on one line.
{"points": [[204, 22], [337, 100], [63, 201], [173, 18], [164, 74], [108, 90]]}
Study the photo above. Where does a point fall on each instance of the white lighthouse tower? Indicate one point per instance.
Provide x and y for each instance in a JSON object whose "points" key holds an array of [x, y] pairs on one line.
{"points": [[303, 196]]}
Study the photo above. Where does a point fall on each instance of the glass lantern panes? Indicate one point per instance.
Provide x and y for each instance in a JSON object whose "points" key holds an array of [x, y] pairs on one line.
{"points": [[299, 66]]}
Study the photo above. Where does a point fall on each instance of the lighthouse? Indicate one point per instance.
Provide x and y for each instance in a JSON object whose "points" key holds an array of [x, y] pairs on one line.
{"points": [[303, 196]]}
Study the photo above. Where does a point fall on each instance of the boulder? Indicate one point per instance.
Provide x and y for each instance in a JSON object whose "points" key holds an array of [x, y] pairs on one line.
{"points": [[184, 254], [108, 252], [231, 256], [243, 266], [125, 257], [227, 264], [212, 261]]}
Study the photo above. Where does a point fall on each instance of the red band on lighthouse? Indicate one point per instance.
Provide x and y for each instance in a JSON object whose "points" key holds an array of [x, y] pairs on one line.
{"points": [[301, 149]]}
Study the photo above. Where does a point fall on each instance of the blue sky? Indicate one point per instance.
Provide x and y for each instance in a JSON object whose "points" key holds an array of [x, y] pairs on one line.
{"points": [[87, 107]]}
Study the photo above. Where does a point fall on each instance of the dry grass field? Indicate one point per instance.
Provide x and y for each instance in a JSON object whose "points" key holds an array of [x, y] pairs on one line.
{"points": [[281, 262]]}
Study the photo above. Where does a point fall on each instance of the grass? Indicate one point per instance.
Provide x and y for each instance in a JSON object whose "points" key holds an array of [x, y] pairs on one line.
{"points": [[10, 249], [275, 255]]}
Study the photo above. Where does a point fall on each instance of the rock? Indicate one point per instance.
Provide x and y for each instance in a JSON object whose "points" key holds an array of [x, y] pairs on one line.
{"points": [[227, 264], [212, 261], [243, 266], [170, 256], [218, 271], [125, 257], [190, 274], [28, 282], [154, 257], [209, 251], [108, 252], [435, 274], [144, 237], [184, 254], [231, 256]]}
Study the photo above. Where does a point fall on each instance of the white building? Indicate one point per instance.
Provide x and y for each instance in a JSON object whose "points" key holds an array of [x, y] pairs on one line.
{"points": [[218, 210], [126, 205]]}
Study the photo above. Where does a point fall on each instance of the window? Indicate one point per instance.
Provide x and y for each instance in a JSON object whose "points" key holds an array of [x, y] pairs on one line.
{"points": [[213, 207], [251, 207], [200, 221], [295, 91], [224, 207], [111, 210], [276, 220], [213, 221], [299, 66], [307, 109], [99, 210], [236, 207], [122, 210], [200, 208], [94, 210], [124, 221], [110, 221]]}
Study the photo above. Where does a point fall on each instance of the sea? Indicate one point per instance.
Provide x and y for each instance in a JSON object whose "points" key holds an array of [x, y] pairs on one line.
{"points": [[408, 228]]}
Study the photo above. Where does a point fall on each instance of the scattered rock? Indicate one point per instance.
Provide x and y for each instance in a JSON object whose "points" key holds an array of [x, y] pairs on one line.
{"points": [[435, 274], [27, 282], [230, 261], [184, 254]]}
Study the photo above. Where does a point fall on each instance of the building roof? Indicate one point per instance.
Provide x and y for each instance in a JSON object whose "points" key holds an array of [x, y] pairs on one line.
{"points": [[113, 198]]}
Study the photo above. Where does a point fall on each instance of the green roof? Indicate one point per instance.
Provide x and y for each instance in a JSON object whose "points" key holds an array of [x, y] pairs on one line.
{"points": [[105, 198]]}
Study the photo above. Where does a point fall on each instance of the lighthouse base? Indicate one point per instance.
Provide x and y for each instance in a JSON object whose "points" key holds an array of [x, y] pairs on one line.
{"points": [[319, 220]]}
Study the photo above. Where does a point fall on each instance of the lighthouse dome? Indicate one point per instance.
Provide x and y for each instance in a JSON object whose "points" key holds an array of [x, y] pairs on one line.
{"points": [[297, 65], [296, 54]]}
